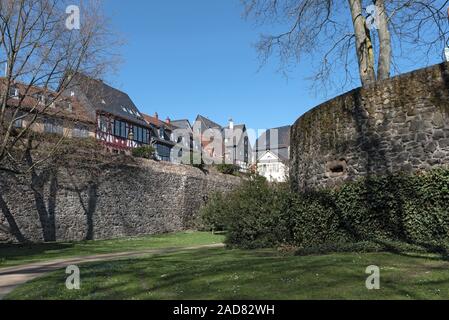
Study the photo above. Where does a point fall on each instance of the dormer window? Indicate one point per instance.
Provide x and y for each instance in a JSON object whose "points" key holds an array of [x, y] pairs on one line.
{"points": [[161, 132]]}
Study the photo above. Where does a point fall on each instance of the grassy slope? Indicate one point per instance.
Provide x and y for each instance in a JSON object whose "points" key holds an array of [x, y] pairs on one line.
{"points": [[11, 255], [260, 274]]}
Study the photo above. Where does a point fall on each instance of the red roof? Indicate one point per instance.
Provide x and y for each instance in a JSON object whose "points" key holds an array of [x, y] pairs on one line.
{"points": [[156, 122]]}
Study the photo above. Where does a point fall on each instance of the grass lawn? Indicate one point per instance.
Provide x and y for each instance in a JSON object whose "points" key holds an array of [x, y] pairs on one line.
{"points": [[259, 274], [11, 255]]}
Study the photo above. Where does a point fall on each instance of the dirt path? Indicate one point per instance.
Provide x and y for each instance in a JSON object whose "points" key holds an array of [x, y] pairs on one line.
{"points": [[12, 277]]}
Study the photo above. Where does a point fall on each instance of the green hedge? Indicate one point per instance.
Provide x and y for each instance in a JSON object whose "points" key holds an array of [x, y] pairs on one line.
{"points": [[230, 169], [407, 208], [146, 152]]}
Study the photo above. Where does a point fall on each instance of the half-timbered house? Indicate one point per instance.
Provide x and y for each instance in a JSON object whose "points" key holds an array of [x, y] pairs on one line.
{"points": [[120, 126]]}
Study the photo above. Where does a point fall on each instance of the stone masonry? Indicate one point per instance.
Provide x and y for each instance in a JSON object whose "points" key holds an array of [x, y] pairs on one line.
{"points": [[78, 202], [398, 125]]}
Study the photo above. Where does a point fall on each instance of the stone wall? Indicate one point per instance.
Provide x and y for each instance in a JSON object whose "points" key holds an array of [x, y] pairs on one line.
{"points": [[401, 124], [81, 201]]}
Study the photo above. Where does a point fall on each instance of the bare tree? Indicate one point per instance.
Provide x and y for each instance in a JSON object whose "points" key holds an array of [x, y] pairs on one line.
{"points": [[41, 42], [338, 36]]}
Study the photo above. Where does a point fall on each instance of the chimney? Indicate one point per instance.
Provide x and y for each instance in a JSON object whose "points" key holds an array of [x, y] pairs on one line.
{"points": [[231, 124], [156, 115], [168, 120]]}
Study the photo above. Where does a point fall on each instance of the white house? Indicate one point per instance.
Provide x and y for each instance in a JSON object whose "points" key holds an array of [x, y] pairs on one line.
{"points": [[272, 167], [273, 153]]}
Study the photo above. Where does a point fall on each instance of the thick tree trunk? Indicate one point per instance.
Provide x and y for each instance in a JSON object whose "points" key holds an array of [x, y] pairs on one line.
{"points": [[364, 46], [384, 64]]}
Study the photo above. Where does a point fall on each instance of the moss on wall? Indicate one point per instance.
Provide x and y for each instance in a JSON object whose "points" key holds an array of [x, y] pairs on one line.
{"points": [[401, 124]]}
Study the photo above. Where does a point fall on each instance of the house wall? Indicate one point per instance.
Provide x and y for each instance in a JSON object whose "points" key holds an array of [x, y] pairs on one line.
{"points": [[84, 200], [278, 171], [67, 125], [398, 125]]}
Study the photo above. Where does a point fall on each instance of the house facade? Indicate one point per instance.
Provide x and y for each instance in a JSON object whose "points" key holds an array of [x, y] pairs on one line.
{"points": [[186, 150], [119, 125], [45, 111], [237, 147], [162, 137], [272, 152], [207, 134]]}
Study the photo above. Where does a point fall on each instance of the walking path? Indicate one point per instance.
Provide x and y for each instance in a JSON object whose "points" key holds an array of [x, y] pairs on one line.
{"points": [[12, 277]]}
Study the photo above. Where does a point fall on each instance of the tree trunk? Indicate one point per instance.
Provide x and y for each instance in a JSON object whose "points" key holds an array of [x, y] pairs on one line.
{"points": [[364, 46], [384, 64]]}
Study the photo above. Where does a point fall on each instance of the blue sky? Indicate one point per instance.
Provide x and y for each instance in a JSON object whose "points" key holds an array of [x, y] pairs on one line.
{"points": [[189, 57], [184, 58]]}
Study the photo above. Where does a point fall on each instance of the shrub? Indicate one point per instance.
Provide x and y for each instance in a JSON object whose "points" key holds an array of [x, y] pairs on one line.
{"points": [[399, 208], [214, 215], [254, 215], [230, 169], [146, 152]]}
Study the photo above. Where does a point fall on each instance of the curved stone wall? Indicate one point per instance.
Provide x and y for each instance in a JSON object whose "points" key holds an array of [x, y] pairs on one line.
{"points": [[401, 124]]}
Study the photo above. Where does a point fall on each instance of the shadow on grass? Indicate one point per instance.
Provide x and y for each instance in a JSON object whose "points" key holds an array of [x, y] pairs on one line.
{"points": [[11, 252], [238, 274]]}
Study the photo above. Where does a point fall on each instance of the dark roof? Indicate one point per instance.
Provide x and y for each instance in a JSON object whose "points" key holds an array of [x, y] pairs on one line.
{"points": [[209, 124], [181, 124], [103, 97], [282, 153], [264, 142]]}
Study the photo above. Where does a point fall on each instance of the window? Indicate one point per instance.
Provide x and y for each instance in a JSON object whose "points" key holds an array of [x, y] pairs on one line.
{"points": [[116, 128], [146, 136], [14, 92], [161, 133], [103, 124], [246, 150], [18, 124], [122, 129], [139, 136], [163, 152]]}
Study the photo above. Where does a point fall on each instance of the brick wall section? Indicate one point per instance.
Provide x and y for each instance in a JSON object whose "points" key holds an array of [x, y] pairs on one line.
{"points": [[401, 124], [78, 202]]}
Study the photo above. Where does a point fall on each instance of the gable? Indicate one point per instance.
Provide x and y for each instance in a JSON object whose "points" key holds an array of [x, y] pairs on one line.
{"points": [[268, 156]]}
